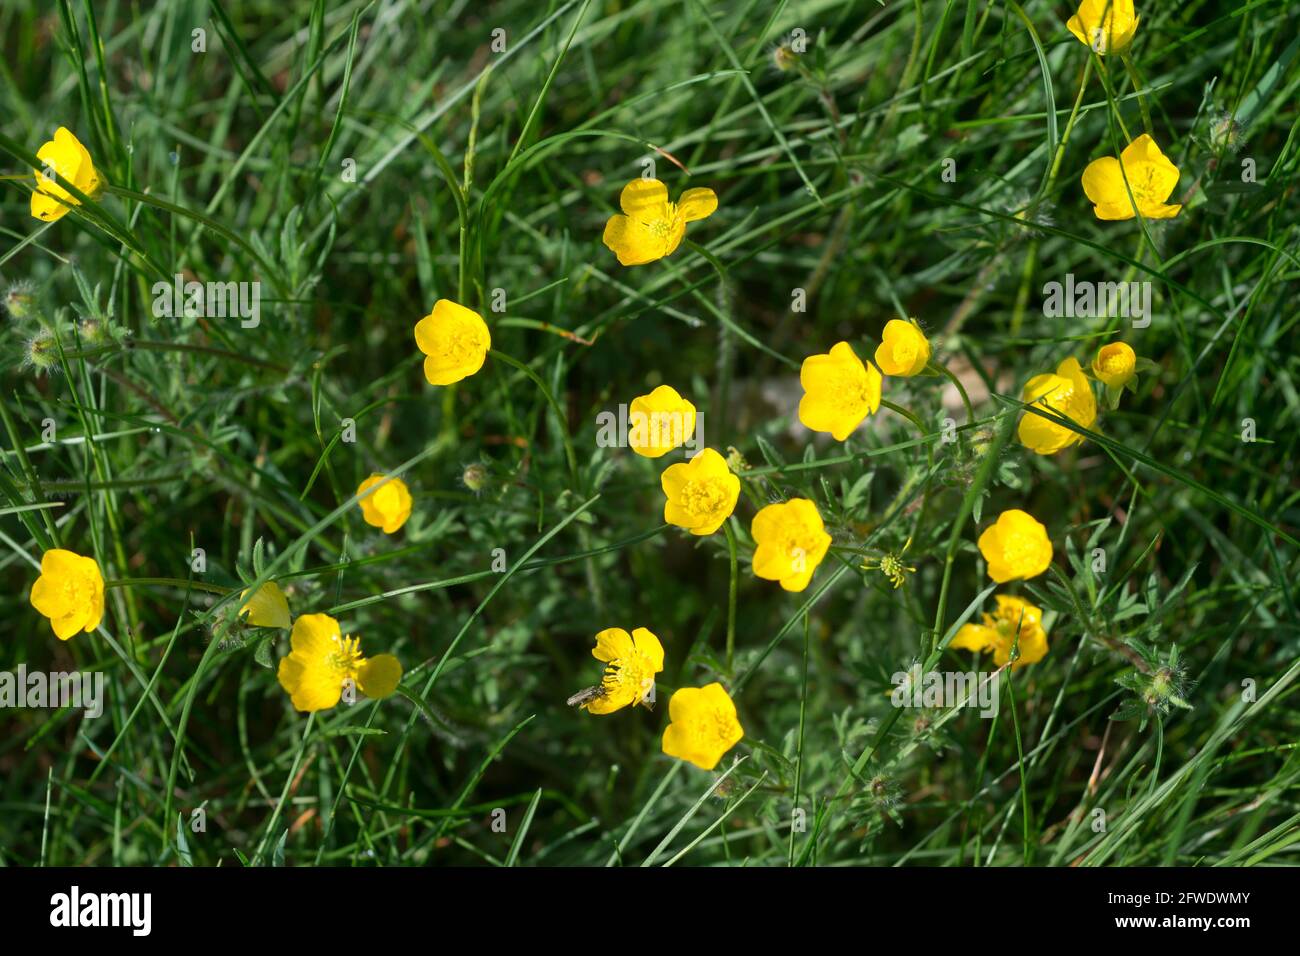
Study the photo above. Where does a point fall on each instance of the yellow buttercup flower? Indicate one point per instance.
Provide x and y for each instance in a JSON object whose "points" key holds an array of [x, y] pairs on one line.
{"points": [[839, 391], [1142, 169], [790, 542], [904, 350], [651, 226], [321, 661], [1066, 393], [267, 608], [68, 160], [1115, 364], [1107, 26], [455, 341], [1016, 546], [701, 493], [631, 663], [70, 592], [389, 506], [1014, 617], [660, 422], [703, 725]]}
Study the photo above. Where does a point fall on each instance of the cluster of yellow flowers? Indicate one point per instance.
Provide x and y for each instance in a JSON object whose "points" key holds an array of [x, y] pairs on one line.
{"points": [[840, 391]]}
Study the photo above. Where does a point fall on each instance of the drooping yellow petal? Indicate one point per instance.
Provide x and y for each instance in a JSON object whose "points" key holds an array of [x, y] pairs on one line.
{"points": [[268, 607], [698, 204], [378, 676]]}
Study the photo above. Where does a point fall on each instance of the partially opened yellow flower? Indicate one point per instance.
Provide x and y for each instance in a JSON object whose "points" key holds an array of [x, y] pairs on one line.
{"points": [[631, 663], [651, 227], [1067, 393], [701, 493], [387, 507], [999, 632], [455, 341], [660, 422], [790, 542], [904, 350], [321, 661], [1141, 169], [1016, 546], [1115, 364], [66, 159], [268, 607], [839, 391], [1107, 26], [703, 725], [70, 592]]}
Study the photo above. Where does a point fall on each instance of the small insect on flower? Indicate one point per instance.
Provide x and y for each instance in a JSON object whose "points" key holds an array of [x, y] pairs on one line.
{"points": [[322, 662], [1108, 26], [703, 725], [1016, 626], [66, 160], [70, 592], [585, 696], [839, 391], [268, 607], [790, 542], [631, 663], [701, 493], [904, 350], [1066, 393], [1016, 547], [1142, 170], [660, 422], [455, 341], [389, 506], [651, 227]]}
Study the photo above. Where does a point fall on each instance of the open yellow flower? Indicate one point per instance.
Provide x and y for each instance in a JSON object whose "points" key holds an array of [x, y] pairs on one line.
{"points": [[387, 507], [651, 227], [1141, 168], [70, 592], [904, 350], [660, 422], [998, 633], [1115, 364], [1016, 546], [701, 493], [321, 661], [631, 663], [455, 341], [839, 391], [1067, 393], [1107, 26], [790, 542], [68, 160], [703, 725], [268, 607]]}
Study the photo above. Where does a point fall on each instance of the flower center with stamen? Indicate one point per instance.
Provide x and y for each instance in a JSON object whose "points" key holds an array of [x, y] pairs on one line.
{"points": [[702, 498]]}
